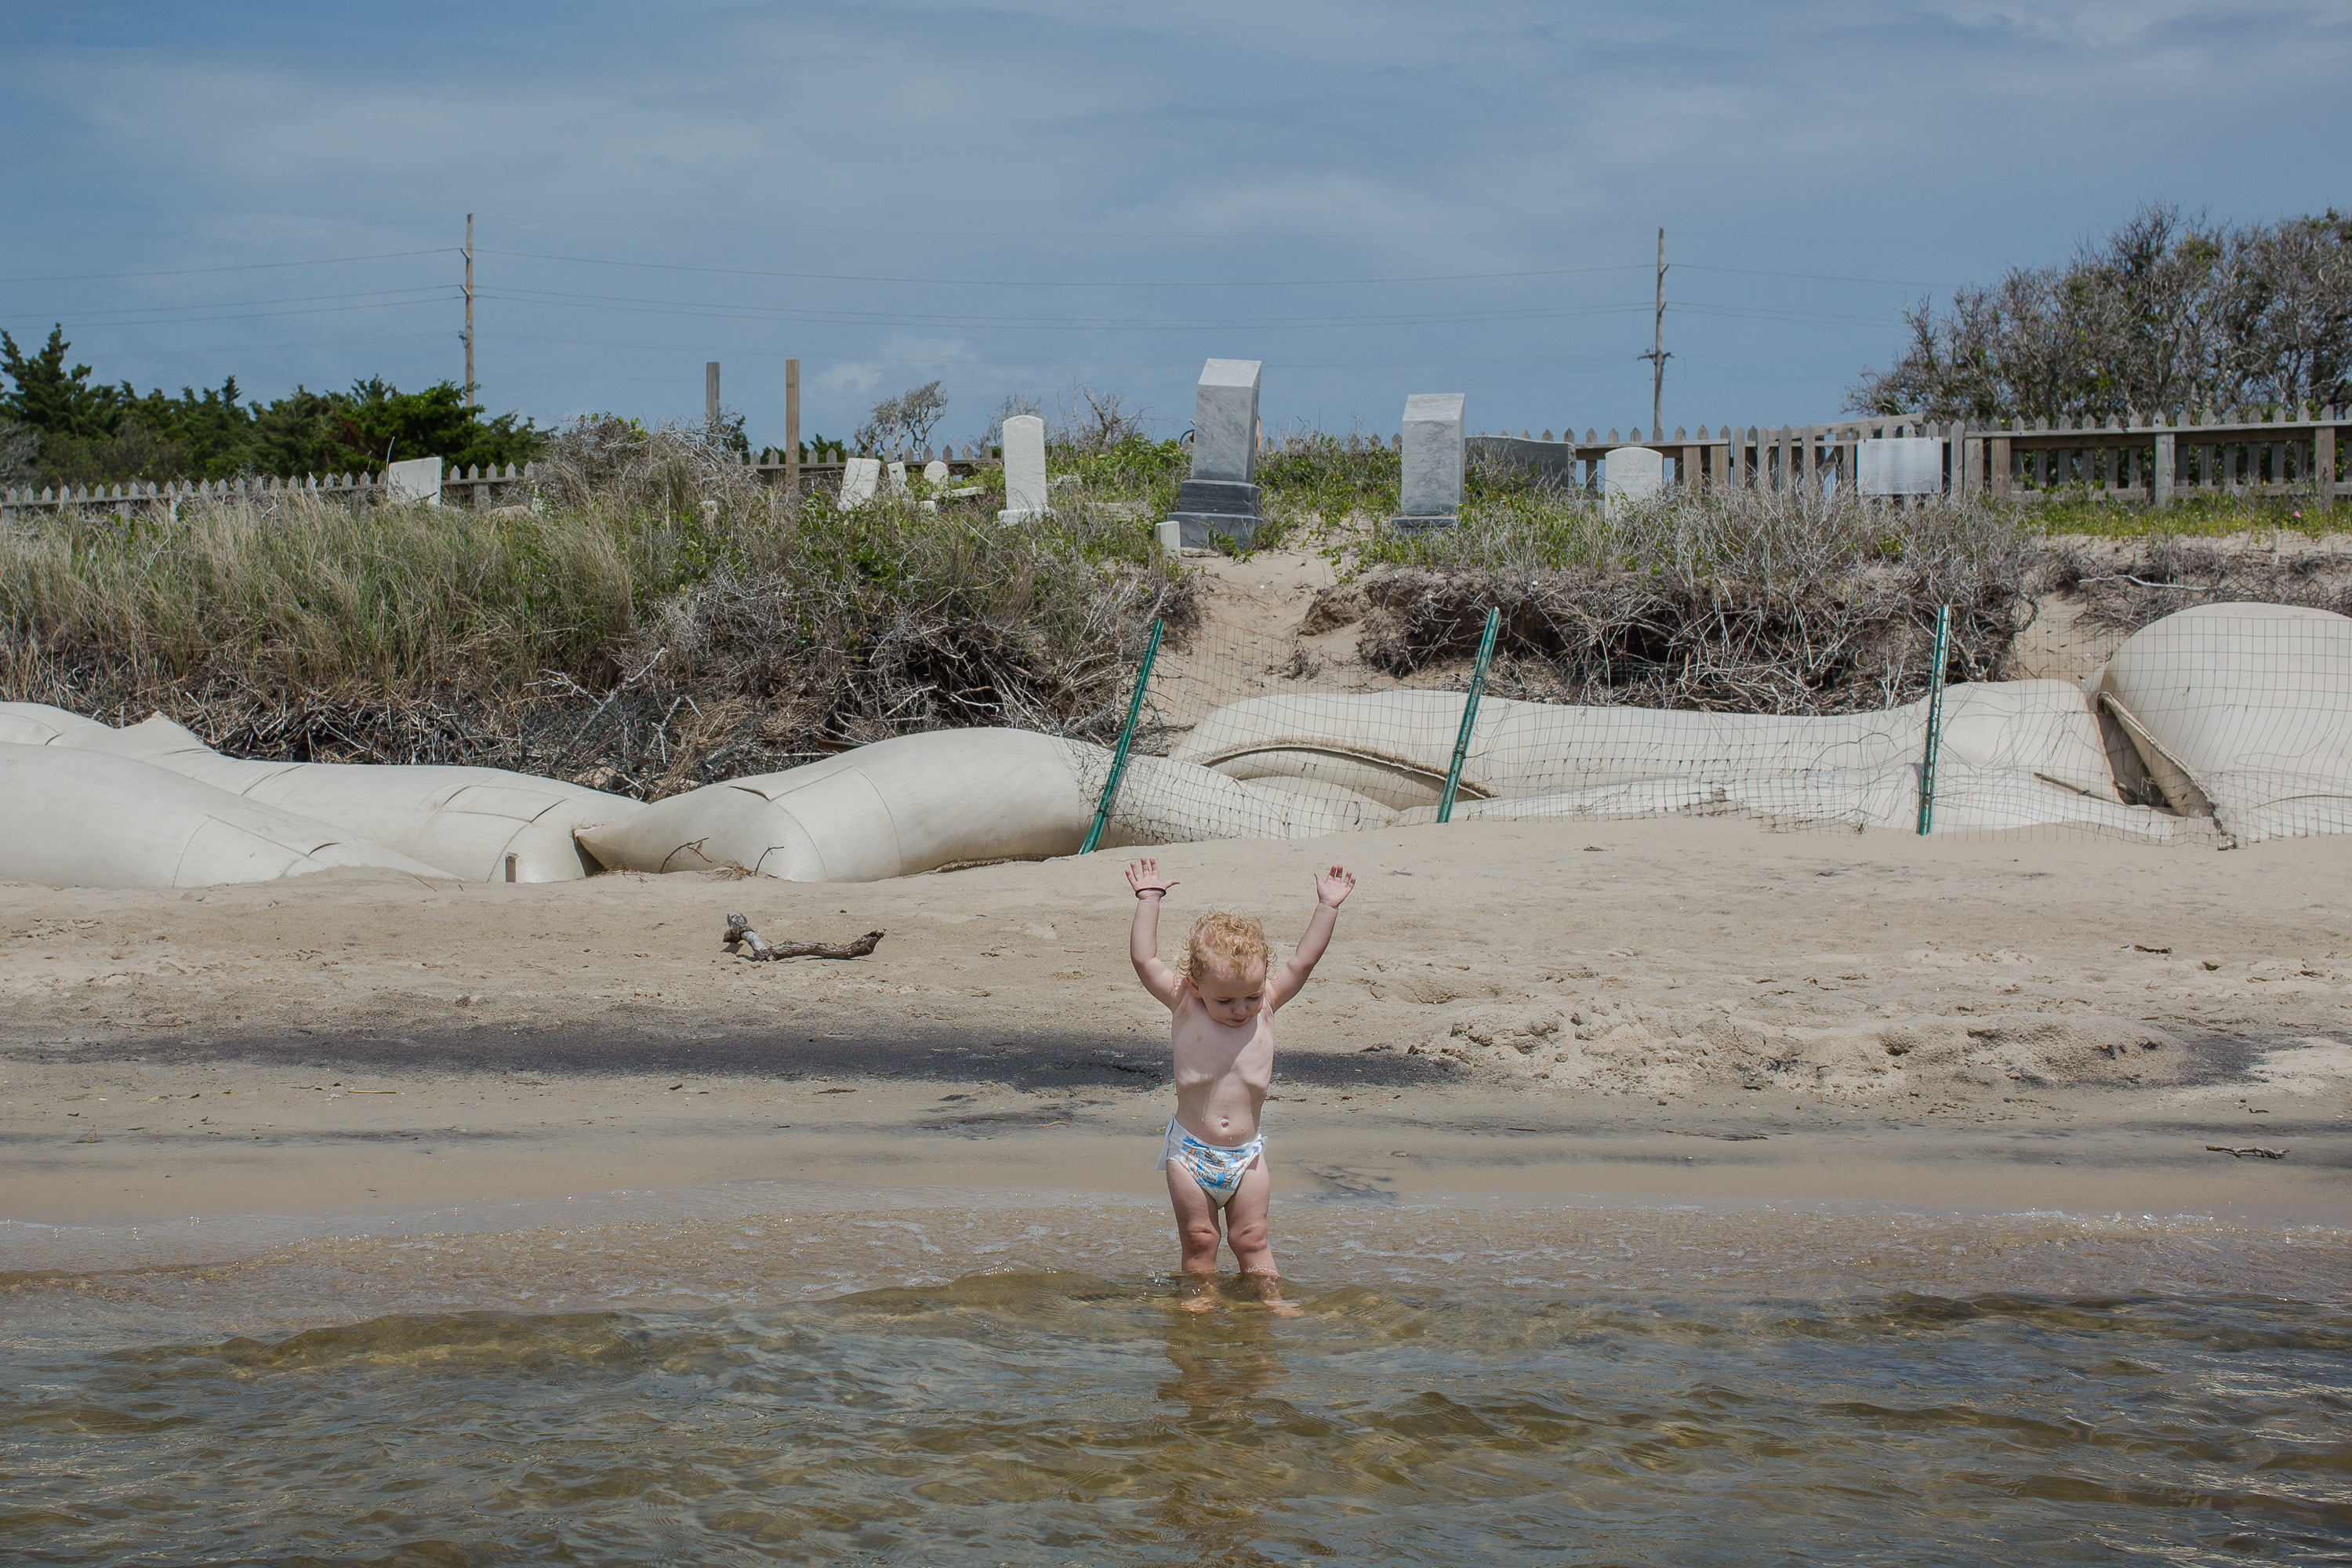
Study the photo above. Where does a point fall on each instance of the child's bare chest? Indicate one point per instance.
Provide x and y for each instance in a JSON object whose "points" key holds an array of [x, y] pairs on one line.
{"points": [[1207, 1053]]}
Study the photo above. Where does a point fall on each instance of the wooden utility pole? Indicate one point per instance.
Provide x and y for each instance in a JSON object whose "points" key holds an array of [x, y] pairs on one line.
{"points": [[710, 393], [471, 402], [1657, 357], [793, 429]]}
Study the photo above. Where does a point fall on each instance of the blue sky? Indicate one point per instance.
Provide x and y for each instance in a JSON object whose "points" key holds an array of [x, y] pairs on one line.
{"points": [[1373, 198]]}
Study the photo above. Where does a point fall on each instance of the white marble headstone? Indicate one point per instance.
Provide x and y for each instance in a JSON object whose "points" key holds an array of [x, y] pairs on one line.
{"points": [[1900, 465], [935, 472], [418, 480], [860, 478], [1224, 421], [1633, 474], [1433, 455], [899, 478], [1025, 469]]}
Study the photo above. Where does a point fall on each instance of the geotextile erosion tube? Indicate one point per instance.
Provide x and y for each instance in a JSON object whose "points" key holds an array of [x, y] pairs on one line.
{"points": [[482, 825], [85, 820]]}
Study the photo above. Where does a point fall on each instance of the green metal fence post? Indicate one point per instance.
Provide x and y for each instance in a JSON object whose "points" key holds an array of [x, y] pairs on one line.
{"points": [[1126, 739], [1469, 715], [1935, 720]]}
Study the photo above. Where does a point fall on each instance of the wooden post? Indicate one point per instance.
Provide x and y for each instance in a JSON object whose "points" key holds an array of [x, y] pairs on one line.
{"points": [[471, 401], [2161, 477], [793, 428], [2323, 463], [710, 394]]}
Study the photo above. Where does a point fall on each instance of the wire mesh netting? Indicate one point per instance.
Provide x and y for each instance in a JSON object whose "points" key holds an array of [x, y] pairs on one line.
{"points": [[2219, 724]]}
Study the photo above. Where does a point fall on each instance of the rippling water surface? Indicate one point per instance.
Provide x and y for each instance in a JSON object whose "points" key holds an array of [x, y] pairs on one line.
{"points": [[769, 1378]]}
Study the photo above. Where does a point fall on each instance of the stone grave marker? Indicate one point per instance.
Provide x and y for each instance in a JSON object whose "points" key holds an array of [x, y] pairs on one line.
{"points": [[898, 478], [860, 478], [935, 472], [1221, 496], [1025, 469], [1900, 465], [1432, 494], [418, 480], [1634, 474]]}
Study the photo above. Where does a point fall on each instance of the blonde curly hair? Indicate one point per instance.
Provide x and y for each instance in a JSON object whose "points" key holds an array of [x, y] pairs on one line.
{"points": [[1226, 944]]}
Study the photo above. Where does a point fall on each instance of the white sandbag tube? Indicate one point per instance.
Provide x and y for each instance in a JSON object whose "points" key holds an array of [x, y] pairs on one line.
{"points": [[483, 825], [39, 724], [1395, 747], [899, 806], [1967, 799], [80, 819], [916, 803], [2244, 710]]}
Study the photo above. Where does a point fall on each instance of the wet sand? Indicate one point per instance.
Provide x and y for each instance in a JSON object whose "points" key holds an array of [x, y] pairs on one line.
{"points": [[1685, 1011]]}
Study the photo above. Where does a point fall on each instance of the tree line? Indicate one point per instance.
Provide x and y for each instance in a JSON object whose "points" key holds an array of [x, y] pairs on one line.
{"points": [[57, 426], [2167, 313]]}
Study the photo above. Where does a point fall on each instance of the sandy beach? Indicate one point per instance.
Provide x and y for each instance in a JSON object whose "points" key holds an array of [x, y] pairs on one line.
{"points": [[1696, 1010]]}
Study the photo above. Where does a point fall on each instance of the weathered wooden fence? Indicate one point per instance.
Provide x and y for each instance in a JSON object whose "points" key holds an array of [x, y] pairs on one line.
{"points": [[474, 486], [2290, 453]]}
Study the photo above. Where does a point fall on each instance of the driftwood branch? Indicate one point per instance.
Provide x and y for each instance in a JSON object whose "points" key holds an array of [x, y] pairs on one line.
{"points": [[2241, 1153], [744, 942]]}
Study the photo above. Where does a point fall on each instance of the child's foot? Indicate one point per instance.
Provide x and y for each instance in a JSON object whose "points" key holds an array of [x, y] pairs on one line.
{"points": [[1269, 1295], [1197, 1293]]}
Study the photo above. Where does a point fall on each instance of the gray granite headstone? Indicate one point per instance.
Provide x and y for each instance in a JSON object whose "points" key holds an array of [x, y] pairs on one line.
{"points": [[1900, 465], [1221, 496], [860, 478], [418, 480], [1025, 469], [1634, 474], [1432, 495]]}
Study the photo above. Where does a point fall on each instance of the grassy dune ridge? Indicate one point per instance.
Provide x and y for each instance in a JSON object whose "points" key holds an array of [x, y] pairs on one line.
{"points": [[660, 620]]}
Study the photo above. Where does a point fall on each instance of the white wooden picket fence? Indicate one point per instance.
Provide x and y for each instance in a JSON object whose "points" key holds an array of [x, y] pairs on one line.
{"points": [[474, 486], [2286, 453]]}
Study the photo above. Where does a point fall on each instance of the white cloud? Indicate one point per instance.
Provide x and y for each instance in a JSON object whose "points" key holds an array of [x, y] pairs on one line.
{"points": [[1107, 142]]}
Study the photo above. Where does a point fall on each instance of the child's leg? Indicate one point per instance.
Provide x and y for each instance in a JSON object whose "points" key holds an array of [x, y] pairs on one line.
{"points": [[1245, 1230], [1196, 1220]]}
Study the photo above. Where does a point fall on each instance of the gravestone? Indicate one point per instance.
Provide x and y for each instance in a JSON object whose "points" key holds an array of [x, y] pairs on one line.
{"points": [[1432, 495], [1634, 474], [418, 480], [898, 478], [860, 478], [935, 472], [1025, 469], [1221, 496], [1900, 465]]}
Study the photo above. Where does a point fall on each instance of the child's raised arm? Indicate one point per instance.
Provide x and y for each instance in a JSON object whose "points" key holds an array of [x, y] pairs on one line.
{"points": [[1331, 890], [1143, 937]]}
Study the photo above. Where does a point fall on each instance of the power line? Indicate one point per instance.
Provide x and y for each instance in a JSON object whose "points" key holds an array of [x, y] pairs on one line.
{"points": [[780, 313], [382, 294], [240, 267], [1049, 283], [1815, 277], [1048, 364]]}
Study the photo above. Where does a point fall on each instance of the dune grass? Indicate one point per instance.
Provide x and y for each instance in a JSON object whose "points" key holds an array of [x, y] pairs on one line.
{"points": [[663, 620]]}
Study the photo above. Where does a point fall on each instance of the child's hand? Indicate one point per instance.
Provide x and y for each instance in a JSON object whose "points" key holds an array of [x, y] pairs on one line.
{"points": [[1144, 877], [1333, 887]]}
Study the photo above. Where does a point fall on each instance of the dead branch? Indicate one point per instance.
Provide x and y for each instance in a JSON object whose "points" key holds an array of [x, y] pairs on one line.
{"points": [[744, 942], [2240, 1153]]}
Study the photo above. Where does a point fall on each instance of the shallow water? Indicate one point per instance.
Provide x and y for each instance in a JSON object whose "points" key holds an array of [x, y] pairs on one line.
{"points": [[763, 1373]]}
